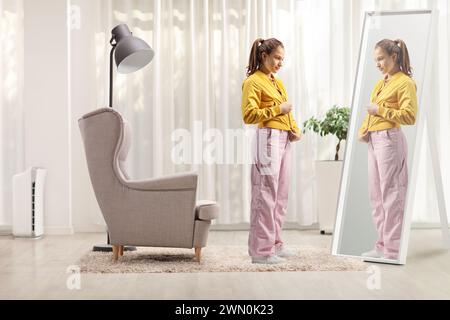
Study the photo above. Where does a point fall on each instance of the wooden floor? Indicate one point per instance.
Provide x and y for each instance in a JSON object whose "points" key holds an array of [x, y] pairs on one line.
{"points": [[37, 269]]}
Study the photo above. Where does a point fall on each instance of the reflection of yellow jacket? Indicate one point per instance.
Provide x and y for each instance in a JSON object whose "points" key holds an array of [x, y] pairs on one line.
{"points": [[261, 100], [397, 104]]}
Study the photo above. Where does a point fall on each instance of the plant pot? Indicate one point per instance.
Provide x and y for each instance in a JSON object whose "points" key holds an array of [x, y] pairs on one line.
{"points": [[328, 184]]}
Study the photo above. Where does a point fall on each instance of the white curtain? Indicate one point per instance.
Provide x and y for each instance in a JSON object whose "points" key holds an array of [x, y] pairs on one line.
{"points": [[194, 83], [11, 102]]}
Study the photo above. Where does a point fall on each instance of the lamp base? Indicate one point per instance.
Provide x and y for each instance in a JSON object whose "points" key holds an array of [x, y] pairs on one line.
{"points": [[108, 248]]}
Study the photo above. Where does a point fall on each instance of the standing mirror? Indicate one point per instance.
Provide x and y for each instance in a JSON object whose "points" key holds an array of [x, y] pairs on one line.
{"points": [[373, 218]]}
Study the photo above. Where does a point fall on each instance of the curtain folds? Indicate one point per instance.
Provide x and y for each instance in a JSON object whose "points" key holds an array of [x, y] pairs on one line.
{"points": [[11, 102]]}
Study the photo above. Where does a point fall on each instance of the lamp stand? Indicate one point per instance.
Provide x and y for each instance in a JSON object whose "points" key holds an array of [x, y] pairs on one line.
{"points": [[108, 247], [111, 71]]}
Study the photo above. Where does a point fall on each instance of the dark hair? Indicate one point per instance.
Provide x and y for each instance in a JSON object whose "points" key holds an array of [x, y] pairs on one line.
{"points": [[398, 47], [260, 46]]}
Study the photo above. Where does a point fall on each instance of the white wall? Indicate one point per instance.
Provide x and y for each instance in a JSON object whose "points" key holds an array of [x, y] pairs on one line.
{"points": [[47, 105]]}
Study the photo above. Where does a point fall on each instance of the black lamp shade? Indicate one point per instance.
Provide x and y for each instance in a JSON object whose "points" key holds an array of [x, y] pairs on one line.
{"points": [[131, 53]]}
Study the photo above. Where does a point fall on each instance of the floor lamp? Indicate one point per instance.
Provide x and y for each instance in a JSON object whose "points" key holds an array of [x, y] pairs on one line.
{"points": [[131, 54]]}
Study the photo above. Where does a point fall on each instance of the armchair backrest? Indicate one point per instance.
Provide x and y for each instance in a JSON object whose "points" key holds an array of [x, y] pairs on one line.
{"points": [[102, 134]]}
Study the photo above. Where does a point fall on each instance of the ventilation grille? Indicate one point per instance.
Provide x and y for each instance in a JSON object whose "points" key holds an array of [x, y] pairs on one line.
{"points": [[33, 187]]}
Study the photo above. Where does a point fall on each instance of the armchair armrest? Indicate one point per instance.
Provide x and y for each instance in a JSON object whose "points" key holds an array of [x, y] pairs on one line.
{"points": [[183, 181], [207, 210]]}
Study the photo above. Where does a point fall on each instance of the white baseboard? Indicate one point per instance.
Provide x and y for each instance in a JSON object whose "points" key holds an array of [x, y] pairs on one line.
{"points": [[5, 230], [246, 227], [92, 228], [58, 231], [426, 225], [214, 227], [315, 226]]}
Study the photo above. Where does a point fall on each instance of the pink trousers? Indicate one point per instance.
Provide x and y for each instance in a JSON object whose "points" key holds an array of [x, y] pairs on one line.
{"points": [[270, 188], [388, 182]]}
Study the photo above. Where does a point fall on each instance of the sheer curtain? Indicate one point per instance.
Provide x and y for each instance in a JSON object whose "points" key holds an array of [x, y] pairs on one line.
{"points": [[195, 80], [11, 104]]}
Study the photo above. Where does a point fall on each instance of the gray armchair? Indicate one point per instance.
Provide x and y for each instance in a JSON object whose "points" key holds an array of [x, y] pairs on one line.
{"points": [[160, 212]]}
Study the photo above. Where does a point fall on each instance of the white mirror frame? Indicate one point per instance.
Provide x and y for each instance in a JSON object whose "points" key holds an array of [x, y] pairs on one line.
{"points": [[420, 119]]}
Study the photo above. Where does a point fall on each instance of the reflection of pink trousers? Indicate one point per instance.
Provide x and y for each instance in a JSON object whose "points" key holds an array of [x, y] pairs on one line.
{"points": [[388, 182], [270, 188]]}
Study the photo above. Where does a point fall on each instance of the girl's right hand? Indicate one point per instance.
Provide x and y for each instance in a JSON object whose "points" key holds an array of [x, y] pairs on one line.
{"points": [[286, 107]]}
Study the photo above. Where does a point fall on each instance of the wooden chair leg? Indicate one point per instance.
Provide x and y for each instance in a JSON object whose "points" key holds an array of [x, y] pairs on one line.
{"points": [[120, 251], [115, 252], [198, 254]]}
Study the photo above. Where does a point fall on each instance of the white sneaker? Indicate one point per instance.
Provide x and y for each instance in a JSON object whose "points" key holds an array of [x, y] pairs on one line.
{"points": [[268, 259], [284, 252], [373, 254], [389, 258]]}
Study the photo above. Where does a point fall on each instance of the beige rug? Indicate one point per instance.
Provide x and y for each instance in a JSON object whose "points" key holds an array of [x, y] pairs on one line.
{"points": [[214, 259]]}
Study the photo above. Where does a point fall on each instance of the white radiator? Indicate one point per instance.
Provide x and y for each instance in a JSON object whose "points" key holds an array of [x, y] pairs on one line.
{"points": [[28, 203]]}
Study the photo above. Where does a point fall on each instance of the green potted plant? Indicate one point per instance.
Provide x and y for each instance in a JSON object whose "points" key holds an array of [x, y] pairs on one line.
{"points": [[328, 173], [335, 123]]}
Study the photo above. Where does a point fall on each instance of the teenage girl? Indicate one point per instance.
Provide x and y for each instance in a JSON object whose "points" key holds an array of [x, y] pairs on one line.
{"points": [[265, 102]]}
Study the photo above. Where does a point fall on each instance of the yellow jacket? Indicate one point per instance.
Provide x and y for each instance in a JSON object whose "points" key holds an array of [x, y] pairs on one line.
{"points": [[261, 102], [397, 104]]}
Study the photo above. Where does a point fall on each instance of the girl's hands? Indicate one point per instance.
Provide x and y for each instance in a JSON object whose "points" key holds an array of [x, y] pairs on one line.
{"points": [[372, 109], [294, 137], [286, 107]]}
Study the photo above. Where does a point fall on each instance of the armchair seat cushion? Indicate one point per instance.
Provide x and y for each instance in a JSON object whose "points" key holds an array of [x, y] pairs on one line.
{"points": [[207, 210]]}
